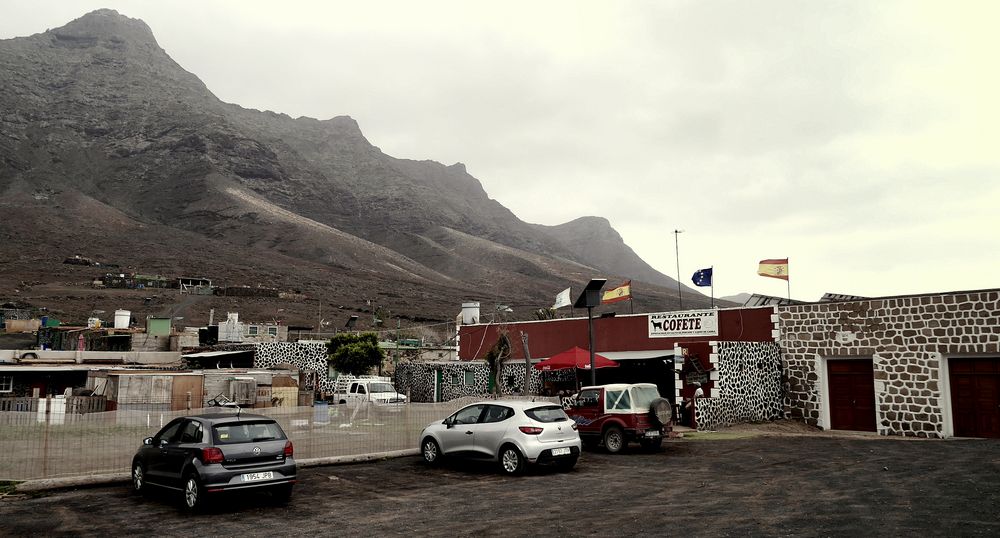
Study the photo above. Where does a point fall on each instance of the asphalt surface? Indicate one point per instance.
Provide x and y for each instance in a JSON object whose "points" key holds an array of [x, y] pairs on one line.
{"points": [[790, 485]]}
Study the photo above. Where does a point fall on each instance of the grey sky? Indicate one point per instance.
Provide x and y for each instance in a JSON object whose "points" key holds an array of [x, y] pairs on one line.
{"points": [[856, 138]]}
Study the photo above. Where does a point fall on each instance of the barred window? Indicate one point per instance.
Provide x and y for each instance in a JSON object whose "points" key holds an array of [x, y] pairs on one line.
{"points": [[6, 383]]}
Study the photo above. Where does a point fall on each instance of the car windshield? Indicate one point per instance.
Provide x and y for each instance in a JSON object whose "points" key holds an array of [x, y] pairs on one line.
{"points": [[642, 397], [549, 413], [246, 432], [380, 387]]}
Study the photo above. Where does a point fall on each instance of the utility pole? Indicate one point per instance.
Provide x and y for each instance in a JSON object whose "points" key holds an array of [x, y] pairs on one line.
{"points": [[527, 363], [677, 254]]}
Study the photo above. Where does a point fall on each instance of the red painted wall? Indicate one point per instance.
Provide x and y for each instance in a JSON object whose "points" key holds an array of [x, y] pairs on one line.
{"points": [[620, 333]]}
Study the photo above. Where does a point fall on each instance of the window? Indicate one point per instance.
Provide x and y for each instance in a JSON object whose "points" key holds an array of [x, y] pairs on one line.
{"points": [[498, 413], [454, 379], [470, 379], [617, 399], [549, 413], [6, 383], [253, 330], [191, 433], [644, 396], [588, 397], [469, 415], [244, 432], [167, 434], [381, 387], [272, 331]]}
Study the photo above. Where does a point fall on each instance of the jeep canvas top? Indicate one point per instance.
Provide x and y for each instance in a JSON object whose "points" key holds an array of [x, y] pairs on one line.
{"points": [[619, 413]]}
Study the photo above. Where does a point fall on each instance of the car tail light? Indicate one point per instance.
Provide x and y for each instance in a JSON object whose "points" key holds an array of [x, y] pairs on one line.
{"points": [[212, 455], [575, 426], [530, 430], [289, 449]]}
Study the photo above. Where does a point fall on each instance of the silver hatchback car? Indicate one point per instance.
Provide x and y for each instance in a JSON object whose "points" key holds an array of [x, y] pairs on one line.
{"points": [[515, 434]]}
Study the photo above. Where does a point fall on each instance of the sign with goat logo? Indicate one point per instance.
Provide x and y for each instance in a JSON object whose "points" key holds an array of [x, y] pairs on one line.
{"points": [[687, 323]]}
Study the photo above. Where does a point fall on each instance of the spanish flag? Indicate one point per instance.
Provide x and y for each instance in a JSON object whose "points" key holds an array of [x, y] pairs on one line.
{"points": [[621, 293], [773, 268]]}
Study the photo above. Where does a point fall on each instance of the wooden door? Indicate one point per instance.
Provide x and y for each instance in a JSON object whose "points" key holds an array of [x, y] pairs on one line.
{"points": [[183, 386], [852, 394], [975, 396]]}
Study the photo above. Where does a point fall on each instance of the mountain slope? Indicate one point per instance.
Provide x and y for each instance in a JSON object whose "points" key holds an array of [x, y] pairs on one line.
{"points": [[110, 145]]}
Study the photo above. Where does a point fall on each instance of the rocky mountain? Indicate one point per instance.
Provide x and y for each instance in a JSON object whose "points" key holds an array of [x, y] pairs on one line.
{"points": [[110, 150]]}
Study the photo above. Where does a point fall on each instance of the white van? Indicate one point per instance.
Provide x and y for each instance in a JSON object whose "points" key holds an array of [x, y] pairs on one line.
{"points": [[378, 390]]}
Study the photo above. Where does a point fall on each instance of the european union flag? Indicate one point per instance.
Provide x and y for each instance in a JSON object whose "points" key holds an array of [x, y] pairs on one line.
{"points": [[702, 277]]}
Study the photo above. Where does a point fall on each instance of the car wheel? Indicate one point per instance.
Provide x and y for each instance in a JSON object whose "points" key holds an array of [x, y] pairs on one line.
{"points": [[614, 440], [282, 494], [651, 445], [193, 493], [431, 451], [567, 464], [138, 478], [511, 460]]}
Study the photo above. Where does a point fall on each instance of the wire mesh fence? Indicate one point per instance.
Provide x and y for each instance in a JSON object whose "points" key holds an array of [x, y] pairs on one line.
{"points": [[46, 445], [42, 443]]}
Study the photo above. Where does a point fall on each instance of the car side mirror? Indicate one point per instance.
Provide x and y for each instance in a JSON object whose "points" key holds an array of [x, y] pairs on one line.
{"points": [[147, 441], [449, 422]]}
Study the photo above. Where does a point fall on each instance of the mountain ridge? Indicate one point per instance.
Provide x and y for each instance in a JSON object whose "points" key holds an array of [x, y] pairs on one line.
{"points": [[102, 117]]}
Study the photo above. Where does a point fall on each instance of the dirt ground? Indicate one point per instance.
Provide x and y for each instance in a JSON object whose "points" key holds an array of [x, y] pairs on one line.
{"points": [[775, 480]]}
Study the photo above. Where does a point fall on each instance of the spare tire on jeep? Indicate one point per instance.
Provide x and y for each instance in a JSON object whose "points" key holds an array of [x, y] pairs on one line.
{"points": [[661, 411]]}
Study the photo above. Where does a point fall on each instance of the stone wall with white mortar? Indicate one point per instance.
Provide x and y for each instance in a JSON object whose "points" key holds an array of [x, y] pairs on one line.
{"points": [[747, 378], [909, 340]]}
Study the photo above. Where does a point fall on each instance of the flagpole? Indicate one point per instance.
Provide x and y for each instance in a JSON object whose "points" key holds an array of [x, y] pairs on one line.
{"points": [[713, 286], [788, 280], [677, 254]]}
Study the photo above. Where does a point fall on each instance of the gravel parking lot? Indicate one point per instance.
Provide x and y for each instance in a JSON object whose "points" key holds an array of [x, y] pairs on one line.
{"points": [[730, 483]]}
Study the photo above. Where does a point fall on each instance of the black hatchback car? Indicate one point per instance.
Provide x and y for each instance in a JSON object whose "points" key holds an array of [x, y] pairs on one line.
{"points": [[216, 452]]}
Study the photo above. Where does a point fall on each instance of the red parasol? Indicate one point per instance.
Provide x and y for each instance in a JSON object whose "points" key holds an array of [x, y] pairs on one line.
{"points": [[574, 358]]}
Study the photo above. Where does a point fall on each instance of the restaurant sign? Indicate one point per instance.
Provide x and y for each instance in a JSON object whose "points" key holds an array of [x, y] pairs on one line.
{"points": [[686, 323]]}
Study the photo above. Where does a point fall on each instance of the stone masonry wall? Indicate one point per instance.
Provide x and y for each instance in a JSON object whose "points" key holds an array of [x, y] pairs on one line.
{"points": [[748, 385], [418, 379], [908, 339]]}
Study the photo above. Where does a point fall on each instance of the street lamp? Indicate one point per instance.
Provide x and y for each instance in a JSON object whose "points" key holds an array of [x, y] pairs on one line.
{"points": [[589, 298]]}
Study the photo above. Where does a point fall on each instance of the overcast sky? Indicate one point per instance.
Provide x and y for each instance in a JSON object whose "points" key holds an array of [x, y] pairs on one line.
{"points": [[858, 139]]}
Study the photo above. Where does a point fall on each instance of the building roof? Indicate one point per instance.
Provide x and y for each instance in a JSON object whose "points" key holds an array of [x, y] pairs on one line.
{"points": [[206, 354]]}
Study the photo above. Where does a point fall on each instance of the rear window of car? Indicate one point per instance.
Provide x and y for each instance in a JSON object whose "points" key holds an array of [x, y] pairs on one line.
{"points": [[247, 432], [548, 413]]}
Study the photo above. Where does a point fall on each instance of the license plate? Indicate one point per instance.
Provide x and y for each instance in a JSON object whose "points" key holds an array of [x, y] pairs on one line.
{"points": [[560, 451], [253, 477], [652, 433]]}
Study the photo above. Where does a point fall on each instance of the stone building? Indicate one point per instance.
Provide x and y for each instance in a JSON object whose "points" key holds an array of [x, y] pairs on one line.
{"points": [[921, 365]]}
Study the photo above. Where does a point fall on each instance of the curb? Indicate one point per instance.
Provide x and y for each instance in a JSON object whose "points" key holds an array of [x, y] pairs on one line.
{"points": [[358, 458], [43, 484]]}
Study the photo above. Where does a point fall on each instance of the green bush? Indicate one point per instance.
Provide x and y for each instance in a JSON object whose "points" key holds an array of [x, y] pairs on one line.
{"points": [[354, 353]]}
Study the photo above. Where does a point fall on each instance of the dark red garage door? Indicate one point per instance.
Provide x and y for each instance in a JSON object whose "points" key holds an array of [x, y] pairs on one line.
{"points": [[852, 394], [975, 398]]}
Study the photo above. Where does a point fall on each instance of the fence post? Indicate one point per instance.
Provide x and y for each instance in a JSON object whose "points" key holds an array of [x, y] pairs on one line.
{"points": [[45, 437]]}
